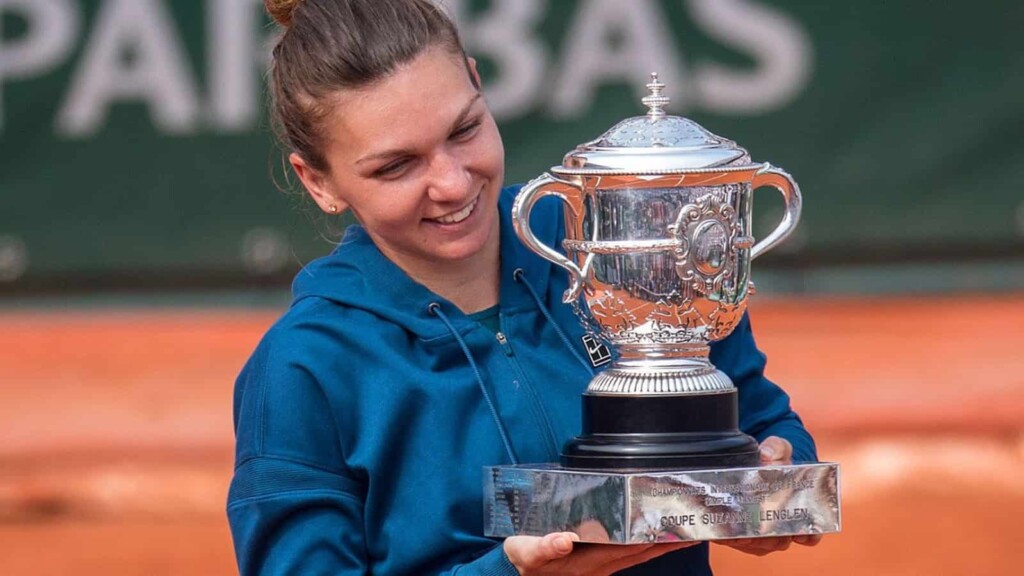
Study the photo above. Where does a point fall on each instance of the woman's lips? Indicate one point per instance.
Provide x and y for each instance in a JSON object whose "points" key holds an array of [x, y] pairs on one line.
{"points": [[458, 215]]}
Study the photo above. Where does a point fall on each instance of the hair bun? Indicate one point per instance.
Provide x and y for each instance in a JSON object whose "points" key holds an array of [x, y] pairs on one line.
{"points": [[281, 10]]}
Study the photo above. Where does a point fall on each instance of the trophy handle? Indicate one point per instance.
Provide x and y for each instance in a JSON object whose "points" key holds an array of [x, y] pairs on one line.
{"points": [[777, 178], [521, 208]]}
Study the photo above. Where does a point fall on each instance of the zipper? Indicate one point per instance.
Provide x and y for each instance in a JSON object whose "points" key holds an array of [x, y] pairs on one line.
{"points": [[537, 408], [503, 341]]}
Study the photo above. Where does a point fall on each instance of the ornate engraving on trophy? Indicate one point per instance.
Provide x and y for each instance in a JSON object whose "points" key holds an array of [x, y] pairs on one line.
{"points": [[705, 231], [709, 248], [612, 311], [724, 318]]}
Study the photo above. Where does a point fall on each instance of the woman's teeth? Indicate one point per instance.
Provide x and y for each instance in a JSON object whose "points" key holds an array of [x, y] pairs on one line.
{"points": [[459, 216]]}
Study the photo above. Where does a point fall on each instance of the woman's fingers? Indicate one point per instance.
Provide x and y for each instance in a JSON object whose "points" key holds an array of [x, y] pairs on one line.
{"points": [[807, 539], [759, 546], [529, 553], [560, 553]]}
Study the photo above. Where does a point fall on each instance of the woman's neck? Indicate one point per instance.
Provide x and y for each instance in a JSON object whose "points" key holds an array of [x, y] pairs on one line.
{"points": [[472, 292], [471, 284]]}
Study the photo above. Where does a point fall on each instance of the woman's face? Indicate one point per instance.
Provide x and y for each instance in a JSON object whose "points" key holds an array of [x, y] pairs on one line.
{"points": [[418, 159]]}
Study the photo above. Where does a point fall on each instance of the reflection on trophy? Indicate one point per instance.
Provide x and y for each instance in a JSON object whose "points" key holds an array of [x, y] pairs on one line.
{"points": [[658, 249]]}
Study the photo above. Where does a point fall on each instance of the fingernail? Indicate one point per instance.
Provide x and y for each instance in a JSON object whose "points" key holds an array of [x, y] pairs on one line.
{"points": [[767, 452]]}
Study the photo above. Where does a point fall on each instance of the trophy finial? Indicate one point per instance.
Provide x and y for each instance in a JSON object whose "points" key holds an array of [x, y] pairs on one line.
{"points": [[656, 101]]}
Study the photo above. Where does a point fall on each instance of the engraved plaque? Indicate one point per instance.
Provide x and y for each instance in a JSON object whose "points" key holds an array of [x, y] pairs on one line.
{"points": [[642, 507]]}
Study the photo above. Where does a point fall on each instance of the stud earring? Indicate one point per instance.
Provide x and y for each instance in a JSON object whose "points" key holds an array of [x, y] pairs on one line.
{"points": [[332, 209]]}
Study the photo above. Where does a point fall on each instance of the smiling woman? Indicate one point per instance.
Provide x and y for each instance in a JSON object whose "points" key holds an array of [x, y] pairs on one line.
{"points": [[418, 160], [401, 136], [430, 343]]}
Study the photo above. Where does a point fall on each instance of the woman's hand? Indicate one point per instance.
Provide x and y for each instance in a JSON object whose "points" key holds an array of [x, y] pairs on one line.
{"points": [[774, 450], [561, 554]]}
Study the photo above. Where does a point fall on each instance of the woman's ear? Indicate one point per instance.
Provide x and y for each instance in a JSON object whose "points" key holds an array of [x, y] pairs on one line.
{"points": [[317, 185], [474, 74]]}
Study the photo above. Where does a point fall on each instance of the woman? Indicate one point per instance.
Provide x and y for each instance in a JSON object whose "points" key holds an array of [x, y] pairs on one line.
{"points": [[430, 343]]}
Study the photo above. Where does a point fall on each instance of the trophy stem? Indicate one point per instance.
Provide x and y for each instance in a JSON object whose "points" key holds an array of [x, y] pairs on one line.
{"points": [[645, 369]]}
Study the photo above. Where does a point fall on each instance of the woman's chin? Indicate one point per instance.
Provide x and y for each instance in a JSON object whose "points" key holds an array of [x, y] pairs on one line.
{"points": [[474, 241], [461, 252]]}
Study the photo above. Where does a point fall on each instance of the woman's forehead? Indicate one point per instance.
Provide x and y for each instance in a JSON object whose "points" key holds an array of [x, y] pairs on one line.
{"points": [[425, 96]]}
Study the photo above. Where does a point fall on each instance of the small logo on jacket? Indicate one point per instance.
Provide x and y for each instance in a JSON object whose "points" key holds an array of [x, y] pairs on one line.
{"points": [[598, 352]]}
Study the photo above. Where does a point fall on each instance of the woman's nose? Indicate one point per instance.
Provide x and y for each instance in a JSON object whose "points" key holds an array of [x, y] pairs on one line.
{"points": [[449, 179]]}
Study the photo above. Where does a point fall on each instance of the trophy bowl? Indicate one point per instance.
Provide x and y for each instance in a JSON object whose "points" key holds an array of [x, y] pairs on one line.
{"points": [[658, 248]]}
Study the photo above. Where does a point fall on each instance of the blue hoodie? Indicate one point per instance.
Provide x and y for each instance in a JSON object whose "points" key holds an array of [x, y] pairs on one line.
{"points": [[365, 416]]}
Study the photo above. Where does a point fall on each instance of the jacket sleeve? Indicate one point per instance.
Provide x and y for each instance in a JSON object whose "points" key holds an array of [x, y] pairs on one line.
{"points": [[311, 524], [764, 407], [301, 520], [294, 507], [293, 518]]}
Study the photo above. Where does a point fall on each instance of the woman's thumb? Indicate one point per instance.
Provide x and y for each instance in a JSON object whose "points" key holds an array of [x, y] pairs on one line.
{"points": [[530, 552]]}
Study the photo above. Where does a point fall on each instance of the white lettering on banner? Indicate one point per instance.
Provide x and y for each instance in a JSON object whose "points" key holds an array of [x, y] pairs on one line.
{"points": [[237, 57], [615, 41], [133, 53], [52, 26], [507, 35], [777, 43]]}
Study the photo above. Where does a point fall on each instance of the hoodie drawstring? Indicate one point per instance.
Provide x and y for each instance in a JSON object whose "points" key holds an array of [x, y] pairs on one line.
{"points": [[518, 276], [435, 309]]}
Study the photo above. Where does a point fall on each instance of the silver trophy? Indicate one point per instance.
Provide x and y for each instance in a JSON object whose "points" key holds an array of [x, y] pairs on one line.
{"points": [[658, 248]]}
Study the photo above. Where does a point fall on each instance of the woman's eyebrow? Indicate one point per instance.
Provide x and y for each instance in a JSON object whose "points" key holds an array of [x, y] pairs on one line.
{"points": [[465, 111], [386, 154]]}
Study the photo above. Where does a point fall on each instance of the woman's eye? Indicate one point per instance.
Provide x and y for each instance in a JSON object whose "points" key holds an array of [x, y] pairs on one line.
{"points": [[466, 129], [391, 169]]}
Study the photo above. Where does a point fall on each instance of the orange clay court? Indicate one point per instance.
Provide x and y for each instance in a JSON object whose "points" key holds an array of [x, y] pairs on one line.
{"points": [[116, 439]]}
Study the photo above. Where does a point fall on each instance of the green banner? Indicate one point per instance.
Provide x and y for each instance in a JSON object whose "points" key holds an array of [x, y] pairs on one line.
{"points": [[134, 140]]}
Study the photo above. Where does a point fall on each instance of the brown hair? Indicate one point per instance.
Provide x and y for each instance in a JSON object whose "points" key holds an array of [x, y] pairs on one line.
{"points": [[332, 45]]}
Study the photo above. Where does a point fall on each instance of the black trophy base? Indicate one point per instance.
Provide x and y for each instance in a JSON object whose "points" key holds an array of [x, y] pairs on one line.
{"points": [[689, 431]]}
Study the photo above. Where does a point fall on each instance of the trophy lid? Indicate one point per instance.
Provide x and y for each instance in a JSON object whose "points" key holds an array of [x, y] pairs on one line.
{"points": [[655, 142]]}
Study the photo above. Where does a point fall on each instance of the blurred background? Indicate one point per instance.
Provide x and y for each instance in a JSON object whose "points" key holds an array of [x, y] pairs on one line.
{"points": [[148, 235]]}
